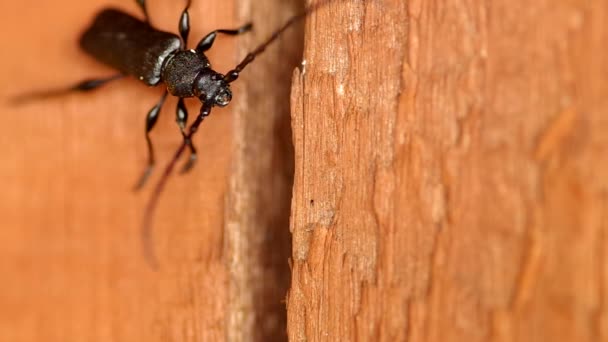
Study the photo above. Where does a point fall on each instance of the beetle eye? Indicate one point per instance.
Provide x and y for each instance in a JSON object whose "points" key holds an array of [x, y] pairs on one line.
{"points": [[223, 98]]}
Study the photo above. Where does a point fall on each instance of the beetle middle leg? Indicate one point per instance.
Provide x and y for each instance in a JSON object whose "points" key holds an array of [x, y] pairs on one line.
{"points": [[205, 110], [207, 41], [151, 119]]}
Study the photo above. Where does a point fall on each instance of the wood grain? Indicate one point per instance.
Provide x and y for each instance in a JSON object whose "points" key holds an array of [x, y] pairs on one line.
{"points": [[450, 179], [451, 172], [257, 228]]}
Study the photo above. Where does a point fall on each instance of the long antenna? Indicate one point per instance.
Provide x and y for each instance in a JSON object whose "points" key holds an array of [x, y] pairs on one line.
{"points": [[151, 207], [205, 110], [233, 74]]}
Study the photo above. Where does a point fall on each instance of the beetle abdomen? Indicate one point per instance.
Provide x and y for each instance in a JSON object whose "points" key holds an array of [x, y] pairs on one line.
{"points": [[129, 45]]}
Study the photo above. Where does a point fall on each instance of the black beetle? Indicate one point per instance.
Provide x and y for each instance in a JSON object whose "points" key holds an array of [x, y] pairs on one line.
{"points": [[135, 48]]}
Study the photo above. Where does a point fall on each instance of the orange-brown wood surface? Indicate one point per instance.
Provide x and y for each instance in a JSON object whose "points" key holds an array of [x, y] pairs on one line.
{"points": [[257, 218], [451, 172], [71, 260]]}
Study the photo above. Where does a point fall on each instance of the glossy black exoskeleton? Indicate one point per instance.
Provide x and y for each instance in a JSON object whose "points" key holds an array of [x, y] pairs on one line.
{"points": [[135, 48]]}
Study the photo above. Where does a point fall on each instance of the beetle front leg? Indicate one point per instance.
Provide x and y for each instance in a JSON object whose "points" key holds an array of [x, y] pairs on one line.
{"points": [[151, 119], [205, 111], [181, 116], [207, 41]]}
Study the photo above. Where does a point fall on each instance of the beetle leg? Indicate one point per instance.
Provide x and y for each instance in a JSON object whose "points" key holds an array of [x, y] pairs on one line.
{"points": [[205, 111], [192, 158], [144, 8], [207, 41], [181, 115], [182, 118], [184, 24], [92, 84], [151, 119], [83, 86]]}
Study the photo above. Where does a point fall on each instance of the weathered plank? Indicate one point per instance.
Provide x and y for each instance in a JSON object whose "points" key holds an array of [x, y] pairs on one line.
{"points": [[451, 172], [257, 229], [70, 248]]}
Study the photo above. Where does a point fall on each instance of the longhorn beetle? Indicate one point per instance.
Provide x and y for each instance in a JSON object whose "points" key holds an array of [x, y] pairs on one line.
{"points": [[136, 49]]}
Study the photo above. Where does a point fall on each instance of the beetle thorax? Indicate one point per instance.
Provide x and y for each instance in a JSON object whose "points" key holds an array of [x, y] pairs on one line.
{"points": [[181, 71]]}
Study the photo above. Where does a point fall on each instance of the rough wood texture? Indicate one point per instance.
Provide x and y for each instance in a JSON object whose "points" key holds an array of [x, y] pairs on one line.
{"points": [[257, 229], [70, 247], [451, 172]]}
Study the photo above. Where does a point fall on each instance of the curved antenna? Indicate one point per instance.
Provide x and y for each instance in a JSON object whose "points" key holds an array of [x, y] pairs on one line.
{"points": [[233, 74], [151, 207], [149, 253], [205, 110]]}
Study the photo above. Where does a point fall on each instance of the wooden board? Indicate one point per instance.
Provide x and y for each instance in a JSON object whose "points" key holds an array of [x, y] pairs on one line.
{"points": [[70, 246], [450, 180], [451, 172], [257, 229]]}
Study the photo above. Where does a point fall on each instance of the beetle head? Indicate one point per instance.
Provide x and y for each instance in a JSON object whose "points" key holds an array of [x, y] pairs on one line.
{"points": [[211, 88]]}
